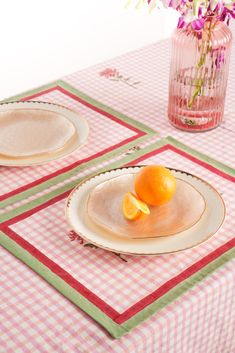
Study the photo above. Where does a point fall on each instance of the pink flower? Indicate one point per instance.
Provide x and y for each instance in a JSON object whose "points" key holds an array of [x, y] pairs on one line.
{"points": [[196, 12], [198, 24], [181, 22], [109, 73]]}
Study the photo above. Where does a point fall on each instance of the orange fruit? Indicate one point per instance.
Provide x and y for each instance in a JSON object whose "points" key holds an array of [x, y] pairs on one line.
{"points": [[133, 208], [155, 185]]}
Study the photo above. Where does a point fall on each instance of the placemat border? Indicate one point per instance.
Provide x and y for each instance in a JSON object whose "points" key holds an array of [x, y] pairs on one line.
{"points": [[143, 132], [119, 324], [162, 144], [69, 186]]}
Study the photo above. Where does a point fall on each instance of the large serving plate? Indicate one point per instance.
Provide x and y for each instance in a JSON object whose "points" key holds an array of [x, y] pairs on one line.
{"points": [[205, 226], [184, 209], [38, 132]]}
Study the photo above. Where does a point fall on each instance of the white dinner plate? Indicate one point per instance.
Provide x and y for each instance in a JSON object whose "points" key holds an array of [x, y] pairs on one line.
{"points": [[208, 224], [69, 131]]}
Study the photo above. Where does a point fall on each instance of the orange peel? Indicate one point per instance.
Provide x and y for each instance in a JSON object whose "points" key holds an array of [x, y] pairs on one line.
{"points": [[133, 208]]}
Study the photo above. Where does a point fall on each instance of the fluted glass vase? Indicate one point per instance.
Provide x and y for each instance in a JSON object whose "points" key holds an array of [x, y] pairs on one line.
{"points": [[198, 76]]}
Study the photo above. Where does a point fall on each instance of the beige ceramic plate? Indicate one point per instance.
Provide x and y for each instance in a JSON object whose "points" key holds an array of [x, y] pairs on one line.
{"points": [[37, 132], [207, 225], [182, 212]]}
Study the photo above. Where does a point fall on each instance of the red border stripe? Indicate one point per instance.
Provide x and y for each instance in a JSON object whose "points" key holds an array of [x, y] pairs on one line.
{"points": [[38, 94], [203, 164], [34, 210], [85, 160], [137, 307], [174, 281], [138, 160], [99, 110], [82, 101], [188, 156], [121, 318], [147, 155], [69, 167], [60, 272]]}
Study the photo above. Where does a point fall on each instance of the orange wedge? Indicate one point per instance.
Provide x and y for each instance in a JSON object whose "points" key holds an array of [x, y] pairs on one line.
{"points": [[133, 208]]}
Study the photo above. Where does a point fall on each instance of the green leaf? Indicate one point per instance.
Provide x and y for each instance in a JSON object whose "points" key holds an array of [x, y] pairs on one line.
{"points": [[89, 245]]}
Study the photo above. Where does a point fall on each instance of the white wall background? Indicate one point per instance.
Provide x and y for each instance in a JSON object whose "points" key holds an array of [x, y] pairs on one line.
{"points": [[44, 40]]}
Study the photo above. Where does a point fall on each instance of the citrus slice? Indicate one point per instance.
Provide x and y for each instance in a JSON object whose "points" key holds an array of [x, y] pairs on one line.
{"points": [[133, 208]]}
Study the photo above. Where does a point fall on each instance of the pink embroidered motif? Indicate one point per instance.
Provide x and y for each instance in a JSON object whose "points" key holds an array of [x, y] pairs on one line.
{"points": [[74, 236], [109, 73], [114, 75]]}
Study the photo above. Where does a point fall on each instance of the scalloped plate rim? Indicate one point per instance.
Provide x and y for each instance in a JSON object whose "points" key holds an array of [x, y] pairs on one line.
{"points": [[139, 253]]}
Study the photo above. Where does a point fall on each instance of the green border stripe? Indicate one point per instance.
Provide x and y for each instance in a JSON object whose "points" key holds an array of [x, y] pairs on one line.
{"points": [[201, 156], [88, 99], [134, 155], [59, 178], [69, 292], [32, 204], [31, 92], [178, 290], [114, 329], [63, 176], [106, 108]]}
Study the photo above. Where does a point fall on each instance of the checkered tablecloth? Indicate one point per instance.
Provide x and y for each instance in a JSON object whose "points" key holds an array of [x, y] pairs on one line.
{"points": [[59, 294]]}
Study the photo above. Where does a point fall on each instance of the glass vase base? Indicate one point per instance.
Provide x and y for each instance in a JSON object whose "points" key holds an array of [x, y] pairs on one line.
{"points": [[205, 114], [193, 128]]}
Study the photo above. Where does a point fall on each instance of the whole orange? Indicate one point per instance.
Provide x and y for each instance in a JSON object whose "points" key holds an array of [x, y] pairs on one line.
{"points": [[155, 185]]}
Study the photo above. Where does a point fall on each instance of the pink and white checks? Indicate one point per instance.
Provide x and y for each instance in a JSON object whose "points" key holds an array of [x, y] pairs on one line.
{"points": [[182, 303]]}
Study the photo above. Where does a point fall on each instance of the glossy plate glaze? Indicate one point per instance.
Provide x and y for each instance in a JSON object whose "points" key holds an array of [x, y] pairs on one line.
{"points": [[207, 224], [183, 211], [37, 132]]}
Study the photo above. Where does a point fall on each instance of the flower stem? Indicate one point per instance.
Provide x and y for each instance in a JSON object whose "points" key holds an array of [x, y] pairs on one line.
{"points": [[199, 82]]}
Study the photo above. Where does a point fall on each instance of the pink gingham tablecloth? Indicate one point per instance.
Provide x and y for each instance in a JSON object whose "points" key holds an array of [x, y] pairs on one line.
{"points": [[59, 294]]}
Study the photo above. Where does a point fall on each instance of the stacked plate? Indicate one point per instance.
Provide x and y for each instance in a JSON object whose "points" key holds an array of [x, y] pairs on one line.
{"points": [[36, 132], [94, 211]]}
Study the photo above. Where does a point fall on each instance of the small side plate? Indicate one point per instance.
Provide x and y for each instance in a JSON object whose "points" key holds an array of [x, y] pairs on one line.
{"points": [[79, 139]]}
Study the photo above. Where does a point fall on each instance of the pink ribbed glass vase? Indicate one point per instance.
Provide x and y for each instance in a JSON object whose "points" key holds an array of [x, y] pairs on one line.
{"points": [[198, 76]]}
